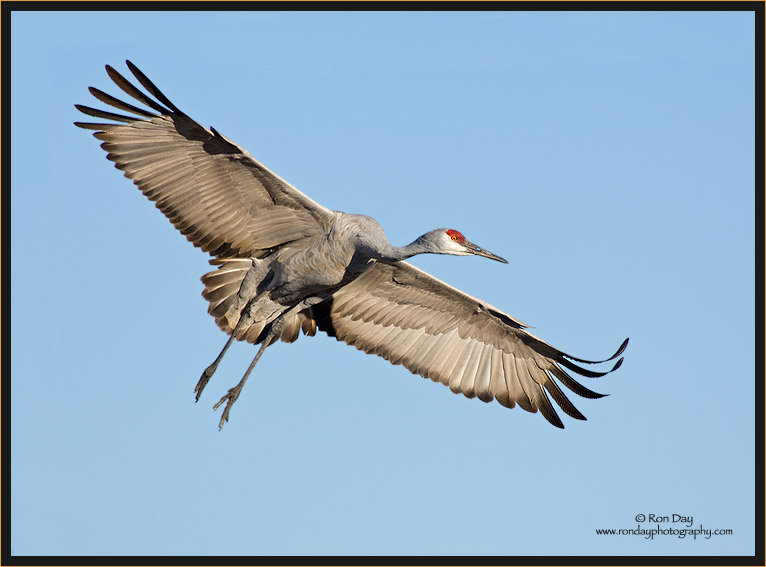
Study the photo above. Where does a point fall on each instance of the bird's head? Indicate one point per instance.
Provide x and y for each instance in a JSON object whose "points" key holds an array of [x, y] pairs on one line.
{"points": [[451, 241]]}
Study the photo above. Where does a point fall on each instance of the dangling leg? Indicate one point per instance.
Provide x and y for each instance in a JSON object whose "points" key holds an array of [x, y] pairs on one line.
{"points": [[208, 373], [275, 331], [233, 393]]}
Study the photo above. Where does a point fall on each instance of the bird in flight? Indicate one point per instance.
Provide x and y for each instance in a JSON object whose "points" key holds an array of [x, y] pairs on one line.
{"points": [[286, 264]]}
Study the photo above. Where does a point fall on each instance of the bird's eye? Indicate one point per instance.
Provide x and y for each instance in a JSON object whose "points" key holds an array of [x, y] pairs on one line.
{"points": [[455, 236]]}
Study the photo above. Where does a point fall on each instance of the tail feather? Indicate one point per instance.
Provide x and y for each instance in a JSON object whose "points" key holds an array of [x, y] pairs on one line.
{"points": [[228, 294], [251, 333], [221, 290], [308, 323], [290, 329], [297, 322]]}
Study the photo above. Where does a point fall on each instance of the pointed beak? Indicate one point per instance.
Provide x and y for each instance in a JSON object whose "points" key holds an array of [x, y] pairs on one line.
{"points": [[479, 251]]}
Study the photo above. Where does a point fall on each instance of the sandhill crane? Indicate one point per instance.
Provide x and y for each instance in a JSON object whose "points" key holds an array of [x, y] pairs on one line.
{"points": [[286, 263]]}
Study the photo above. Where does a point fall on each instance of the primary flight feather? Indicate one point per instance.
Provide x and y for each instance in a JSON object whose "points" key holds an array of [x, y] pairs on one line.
{"points": [[286, 264]]}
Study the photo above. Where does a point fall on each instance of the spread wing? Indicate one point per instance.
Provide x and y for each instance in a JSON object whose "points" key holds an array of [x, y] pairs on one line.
{"points": [[213, 191], [411, 318]]}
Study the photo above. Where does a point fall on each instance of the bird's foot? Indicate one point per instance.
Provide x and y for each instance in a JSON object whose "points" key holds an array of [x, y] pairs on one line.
{"points": [[230, 397], [233, 393], [204, 379]]}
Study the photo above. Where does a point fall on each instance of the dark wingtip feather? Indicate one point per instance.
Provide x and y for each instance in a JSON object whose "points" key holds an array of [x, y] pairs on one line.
{"points": [[133, 91], [580, 370], [560, 398], [546, 408], [620, 350], [117, 103], [574, 385], [151, 87], [95, 112], [617, 365], [554, 420]]}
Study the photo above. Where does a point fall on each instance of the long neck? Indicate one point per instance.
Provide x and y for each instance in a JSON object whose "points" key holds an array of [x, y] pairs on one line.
{"points": [[389, 253]]}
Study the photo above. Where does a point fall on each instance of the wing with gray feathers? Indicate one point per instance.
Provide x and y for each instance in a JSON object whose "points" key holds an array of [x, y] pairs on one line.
{"points": [[411, 318], [213, 191]]}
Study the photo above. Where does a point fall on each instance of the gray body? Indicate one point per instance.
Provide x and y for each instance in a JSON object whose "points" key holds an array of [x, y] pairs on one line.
{"points": [[286, 263], [324, 262]]}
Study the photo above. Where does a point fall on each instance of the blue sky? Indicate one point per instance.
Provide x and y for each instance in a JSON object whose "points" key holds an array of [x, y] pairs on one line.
{"points": [[607, 155]]}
